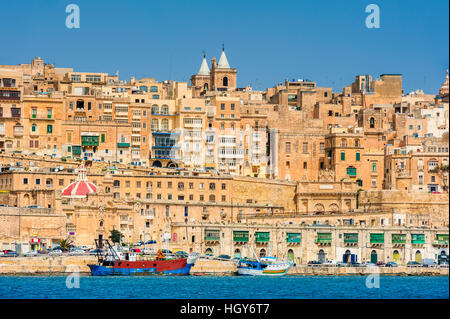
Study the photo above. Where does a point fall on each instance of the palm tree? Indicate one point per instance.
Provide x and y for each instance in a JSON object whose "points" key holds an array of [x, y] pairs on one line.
{"points": [[116, 236], [65, 244]]}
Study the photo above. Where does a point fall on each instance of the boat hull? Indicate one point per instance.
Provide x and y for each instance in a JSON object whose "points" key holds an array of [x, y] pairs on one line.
{"points": [[99, 270], [269, 270], [161, 267]]}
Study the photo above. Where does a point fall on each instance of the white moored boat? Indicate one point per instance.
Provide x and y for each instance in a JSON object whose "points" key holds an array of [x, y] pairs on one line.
{"points": [[264, 266]]}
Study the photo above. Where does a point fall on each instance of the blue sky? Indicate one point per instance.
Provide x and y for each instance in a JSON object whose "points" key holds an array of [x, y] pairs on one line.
{"points": [[267, 41]]}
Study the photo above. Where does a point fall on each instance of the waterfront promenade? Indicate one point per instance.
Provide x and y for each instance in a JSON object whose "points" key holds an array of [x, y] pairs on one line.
{"points": [[46, 265]]}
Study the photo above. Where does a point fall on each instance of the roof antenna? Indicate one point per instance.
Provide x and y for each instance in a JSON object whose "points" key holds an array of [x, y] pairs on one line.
{"points": [[204, 54], [223, 46]]}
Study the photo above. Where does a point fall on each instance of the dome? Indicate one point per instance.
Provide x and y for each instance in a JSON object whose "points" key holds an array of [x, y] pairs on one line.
{"points": [[81, 187]]}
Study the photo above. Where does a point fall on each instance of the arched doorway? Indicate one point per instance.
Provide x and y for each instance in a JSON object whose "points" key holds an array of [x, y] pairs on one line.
{"points": [[237, 253], [262, 253], [443, 256], [291, 255], [396, 256], [26, 200], [373, 257], [347, 256], [418, 257], [157, 164], [322, 256], [209, 251]]}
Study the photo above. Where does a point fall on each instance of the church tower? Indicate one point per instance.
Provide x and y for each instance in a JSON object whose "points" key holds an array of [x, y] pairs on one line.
{"points": [[201, 82], [223, 77]]}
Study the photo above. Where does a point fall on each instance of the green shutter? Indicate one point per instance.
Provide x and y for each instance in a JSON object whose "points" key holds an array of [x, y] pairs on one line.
{"points": [[418, 238], [262, 237], [240, 236], [293, 237], [358, 157], [323, 238], [377, 238], [103, 138], [342, 156], [351, 238], [398, 238], [49, 129]]}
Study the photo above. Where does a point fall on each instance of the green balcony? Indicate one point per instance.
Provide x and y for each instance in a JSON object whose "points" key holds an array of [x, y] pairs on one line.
{"points": [[212, 235], [399, 238], [351, 238], [293, 238], [76, 150], [417, 239], [323, 238], [123, 144], [441, 240], [262, 237], [212, 238], [240, 236], [89, 141], [377, 238]]}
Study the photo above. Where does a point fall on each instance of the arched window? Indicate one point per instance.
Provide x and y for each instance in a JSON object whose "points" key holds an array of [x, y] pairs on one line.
{"points": [[143, 89], [319, 208], [206, 87], [343, 142], [49, 182], [116, 183], [155, 125], [101, 223], [372, 122], [165, 110], [153, 89], [155, 109], [33, 128], [225, 81], [237, 253], [165, 125], [209, 251]]}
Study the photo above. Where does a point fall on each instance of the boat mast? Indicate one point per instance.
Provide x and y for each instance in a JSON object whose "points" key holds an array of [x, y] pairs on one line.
{"points": [[253, 251]]}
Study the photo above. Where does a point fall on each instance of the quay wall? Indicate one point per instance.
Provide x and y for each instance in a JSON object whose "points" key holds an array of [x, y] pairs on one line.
{"points": [[58, 265]]}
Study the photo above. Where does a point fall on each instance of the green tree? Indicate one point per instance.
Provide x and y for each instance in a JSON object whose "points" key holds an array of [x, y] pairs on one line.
{"points": [[65, 244], [116, 236]]}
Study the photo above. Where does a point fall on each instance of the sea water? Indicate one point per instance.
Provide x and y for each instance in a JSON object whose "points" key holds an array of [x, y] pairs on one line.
{"points": [[229, 287]]}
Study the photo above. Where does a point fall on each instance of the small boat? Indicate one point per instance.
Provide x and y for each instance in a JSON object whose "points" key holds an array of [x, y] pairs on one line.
{"points": [[116, 263], [264, 266]]}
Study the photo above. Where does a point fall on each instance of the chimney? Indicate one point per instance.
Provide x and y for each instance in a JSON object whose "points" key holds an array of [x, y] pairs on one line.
{"points": [[213, 62]]}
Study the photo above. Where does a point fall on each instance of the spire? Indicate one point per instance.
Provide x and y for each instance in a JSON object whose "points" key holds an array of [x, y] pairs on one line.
{"points": [[223, 62], [204, 69]]}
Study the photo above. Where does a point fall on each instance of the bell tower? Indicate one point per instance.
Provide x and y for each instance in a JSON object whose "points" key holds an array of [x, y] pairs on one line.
{"points": [[223, 77]]}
